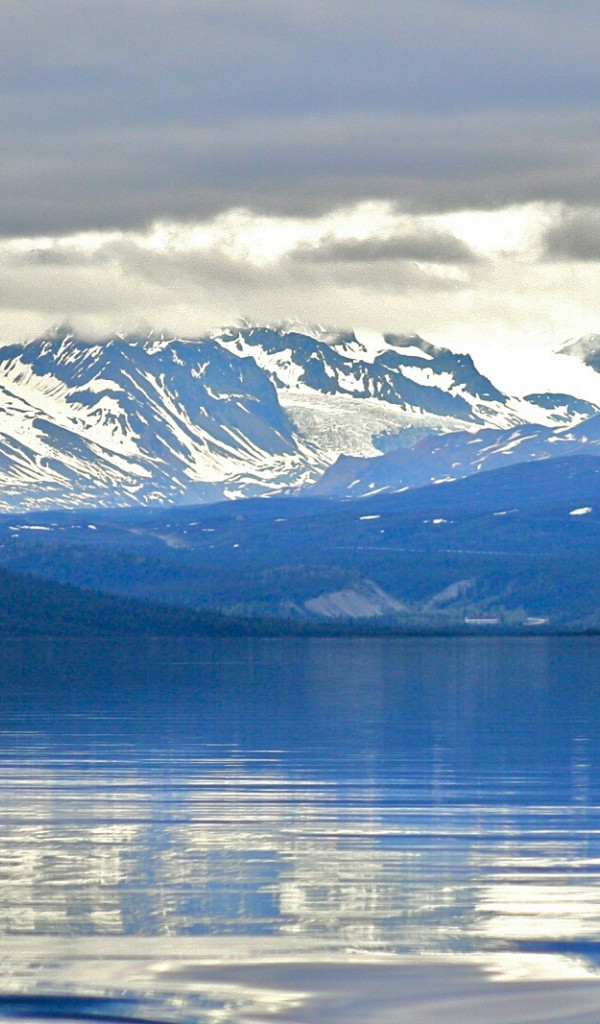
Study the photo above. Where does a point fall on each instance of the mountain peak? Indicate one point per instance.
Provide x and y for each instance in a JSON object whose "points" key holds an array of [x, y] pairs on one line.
{"points": [[586, 348]]}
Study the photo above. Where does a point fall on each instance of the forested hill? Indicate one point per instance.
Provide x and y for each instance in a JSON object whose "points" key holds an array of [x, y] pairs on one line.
{"points": [[31, 606]]}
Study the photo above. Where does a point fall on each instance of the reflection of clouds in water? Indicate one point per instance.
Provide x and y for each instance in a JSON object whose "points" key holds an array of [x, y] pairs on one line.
{"points": [[541, 897], [408, 858], [346, 799], [241, 980], [231, 849], [539, 911], [540, 884]]}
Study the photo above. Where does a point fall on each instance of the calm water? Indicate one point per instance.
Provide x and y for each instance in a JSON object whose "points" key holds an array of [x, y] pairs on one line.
{"points": [[169, 808]]}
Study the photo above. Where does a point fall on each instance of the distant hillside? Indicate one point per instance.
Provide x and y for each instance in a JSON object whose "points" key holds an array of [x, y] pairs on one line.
{"points": [[439, 458], [514, 544], [33, 606]]}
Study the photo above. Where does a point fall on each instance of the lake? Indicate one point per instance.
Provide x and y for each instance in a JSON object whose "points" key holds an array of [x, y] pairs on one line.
{"points": [[306, 830]]}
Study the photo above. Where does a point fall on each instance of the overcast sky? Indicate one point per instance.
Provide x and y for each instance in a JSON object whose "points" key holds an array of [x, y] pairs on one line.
{"points": [[427, 166]]}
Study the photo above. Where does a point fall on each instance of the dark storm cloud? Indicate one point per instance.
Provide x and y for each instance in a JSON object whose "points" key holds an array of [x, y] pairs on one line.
{"points": [[428, 247], [575, 237], [130, 177], [113, 114]]}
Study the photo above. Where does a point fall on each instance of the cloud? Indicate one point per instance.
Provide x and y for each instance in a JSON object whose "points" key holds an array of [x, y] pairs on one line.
{"points": [[219, 59], [428, 247], [576, 237], [60, 182], [241, 250], [475, 280], [177, 109]]}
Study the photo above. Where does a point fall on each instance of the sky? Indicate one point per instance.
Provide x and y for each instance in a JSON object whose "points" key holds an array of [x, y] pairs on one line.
{"points": [[426, 167]]}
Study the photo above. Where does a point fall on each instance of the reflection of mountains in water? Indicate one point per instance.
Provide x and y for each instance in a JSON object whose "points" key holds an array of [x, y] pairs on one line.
{"points": [[224, 849], [108, 1010], [406, 800], [69, 1007]]}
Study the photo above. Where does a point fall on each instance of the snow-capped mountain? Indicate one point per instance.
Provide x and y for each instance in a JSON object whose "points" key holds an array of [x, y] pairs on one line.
{"points": [[587, 349], [135, 419], [452, 456], [358, 396]]}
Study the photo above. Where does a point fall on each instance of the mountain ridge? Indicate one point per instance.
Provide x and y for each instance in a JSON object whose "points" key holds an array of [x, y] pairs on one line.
{"points": [[515, 544], [155, 418]]}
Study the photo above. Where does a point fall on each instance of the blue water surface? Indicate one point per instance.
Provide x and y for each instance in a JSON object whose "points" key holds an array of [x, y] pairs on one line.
{"points": [[409, 796]]}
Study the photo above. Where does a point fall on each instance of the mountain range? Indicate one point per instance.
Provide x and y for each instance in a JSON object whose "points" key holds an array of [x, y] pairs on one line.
{"points": [[404, 488], [139, 419]]}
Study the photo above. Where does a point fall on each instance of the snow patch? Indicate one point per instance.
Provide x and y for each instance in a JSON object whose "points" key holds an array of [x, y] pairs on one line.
{"points": [[427, 377], [28, 527], [411, 351]]}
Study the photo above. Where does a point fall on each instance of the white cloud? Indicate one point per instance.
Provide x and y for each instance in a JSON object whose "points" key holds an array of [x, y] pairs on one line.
{"points": [[371, 265], [390, 166]]}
